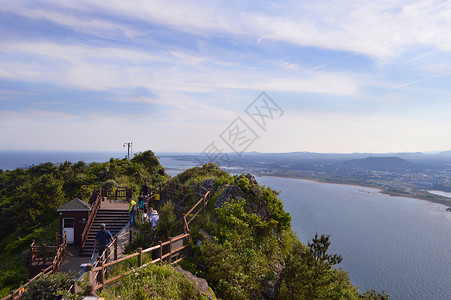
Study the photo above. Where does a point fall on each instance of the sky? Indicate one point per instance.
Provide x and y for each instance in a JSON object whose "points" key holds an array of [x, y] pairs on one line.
{"points": [[225, 76]]}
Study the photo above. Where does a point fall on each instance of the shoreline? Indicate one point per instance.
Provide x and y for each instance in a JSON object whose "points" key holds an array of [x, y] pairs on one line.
{"points": [[429, 197], [445, 201]]}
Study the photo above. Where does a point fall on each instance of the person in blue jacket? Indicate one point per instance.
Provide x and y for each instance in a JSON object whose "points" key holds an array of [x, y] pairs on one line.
{"points": [[103, 237]]}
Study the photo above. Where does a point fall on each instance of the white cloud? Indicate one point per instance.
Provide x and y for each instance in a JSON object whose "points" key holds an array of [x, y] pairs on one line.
{"points": [[380, 29], [101, 68]]}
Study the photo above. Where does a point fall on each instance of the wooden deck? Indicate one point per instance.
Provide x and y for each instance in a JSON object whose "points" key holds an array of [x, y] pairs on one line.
{"points": [[114, 204], [72, 260]]}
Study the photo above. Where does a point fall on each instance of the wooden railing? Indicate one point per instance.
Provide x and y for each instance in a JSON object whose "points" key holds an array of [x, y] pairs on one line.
{"points": [[42, 254], [59, 254], [37, 252], [173, 190], [124, 193], [98, 274], [16, 294], [92, 215], [203, 201]]}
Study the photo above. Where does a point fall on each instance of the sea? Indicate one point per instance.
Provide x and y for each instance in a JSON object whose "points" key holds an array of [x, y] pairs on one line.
{"points": [[393, 244], [400, 245]]}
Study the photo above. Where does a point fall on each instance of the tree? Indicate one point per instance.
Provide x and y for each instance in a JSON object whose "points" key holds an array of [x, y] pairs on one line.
{"points": [[309, 272]]}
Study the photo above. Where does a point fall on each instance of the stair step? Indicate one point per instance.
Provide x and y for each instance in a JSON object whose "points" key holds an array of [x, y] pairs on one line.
{"points": [[114, 220]]}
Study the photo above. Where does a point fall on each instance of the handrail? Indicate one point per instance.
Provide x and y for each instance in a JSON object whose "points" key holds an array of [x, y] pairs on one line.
{"points": [[92, 215], [204, 202], [93, 285], [60, 253], [53, 268], [121, 192]]}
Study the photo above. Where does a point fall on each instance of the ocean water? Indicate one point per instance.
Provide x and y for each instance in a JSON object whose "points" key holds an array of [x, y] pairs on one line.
{"points": [[10, 160], [399, 245]]}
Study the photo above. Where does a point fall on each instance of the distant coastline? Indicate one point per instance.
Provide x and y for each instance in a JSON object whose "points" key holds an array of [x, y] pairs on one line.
{"points": [[425, 196]]}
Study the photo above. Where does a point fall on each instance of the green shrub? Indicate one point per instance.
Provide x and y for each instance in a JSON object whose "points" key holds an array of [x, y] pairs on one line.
{"points": [[48, 287], [153, 282]]}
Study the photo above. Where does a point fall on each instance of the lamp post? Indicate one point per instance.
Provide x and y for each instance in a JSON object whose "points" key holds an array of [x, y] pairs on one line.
{"points": [[129, 149]]}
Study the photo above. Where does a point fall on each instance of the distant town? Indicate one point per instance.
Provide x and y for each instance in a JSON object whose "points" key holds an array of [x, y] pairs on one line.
{"points": [[418, 175]]}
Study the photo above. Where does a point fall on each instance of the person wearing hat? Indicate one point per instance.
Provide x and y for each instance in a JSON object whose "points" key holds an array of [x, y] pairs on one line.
{"points": [[103, 237], [154, 217]]}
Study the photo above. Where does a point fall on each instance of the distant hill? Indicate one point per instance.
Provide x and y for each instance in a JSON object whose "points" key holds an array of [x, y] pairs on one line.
{"points": [[380, 163]]}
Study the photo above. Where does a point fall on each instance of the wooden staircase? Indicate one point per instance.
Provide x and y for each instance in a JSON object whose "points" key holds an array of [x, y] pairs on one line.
{"points": [[114, 220]]}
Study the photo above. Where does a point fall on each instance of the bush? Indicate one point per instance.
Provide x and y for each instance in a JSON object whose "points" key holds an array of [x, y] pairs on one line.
{"points": [[49, 287], [160, 282]]}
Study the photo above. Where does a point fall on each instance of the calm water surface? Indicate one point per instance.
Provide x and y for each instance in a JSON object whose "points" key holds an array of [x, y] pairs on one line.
{"points": [[399, 245]]}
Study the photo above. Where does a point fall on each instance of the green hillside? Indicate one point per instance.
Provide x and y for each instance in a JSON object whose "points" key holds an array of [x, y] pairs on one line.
{"points": [[242, 245], [29, 200]]}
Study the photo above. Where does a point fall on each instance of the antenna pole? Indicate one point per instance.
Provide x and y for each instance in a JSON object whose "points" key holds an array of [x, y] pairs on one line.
{"points": [[129, 148]]}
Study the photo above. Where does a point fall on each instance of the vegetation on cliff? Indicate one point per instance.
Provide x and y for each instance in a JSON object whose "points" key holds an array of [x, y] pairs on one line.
{"points": [[30, 197], [245, 248], [242, 244]]}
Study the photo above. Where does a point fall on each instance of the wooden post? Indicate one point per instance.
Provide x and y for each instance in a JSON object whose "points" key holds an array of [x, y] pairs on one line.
{"points": [[170, 250], [12, 295], [102, 273], [140, 257], [115, 248], [184, 222], [31, 254], [91, 287], [44, 254], [203, 205], [130, 236], [161, 250], [73, 290]]}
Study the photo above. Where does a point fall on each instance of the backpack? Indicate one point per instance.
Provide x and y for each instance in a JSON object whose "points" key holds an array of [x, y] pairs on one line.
{"points": [[135, 208]]}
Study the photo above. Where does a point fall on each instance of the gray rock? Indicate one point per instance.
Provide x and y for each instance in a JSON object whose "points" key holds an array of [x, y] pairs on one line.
{"points": [[201, 284], [209, 184], [229, 193], [272, 288], [250, 177]]}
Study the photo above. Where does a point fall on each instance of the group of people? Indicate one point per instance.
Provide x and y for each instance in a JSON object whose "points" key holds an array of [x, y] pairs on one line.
{"points": [[148, 216], [103, 237]]}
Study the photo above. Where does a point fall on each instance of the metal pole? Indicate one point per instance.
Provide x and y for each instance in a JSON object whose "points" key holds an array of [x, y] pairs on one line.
{"points": [[129, 148]]}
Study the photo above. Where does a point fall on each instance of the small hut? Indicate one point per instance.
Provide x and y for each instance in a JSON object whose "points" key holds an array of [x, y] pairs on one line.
{"points": [[73, 217]]}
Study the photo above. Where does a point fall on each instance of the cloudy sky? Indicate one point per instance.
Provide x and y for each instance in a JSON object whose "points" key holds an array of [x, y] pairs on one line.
{"points": [[341, 76]]}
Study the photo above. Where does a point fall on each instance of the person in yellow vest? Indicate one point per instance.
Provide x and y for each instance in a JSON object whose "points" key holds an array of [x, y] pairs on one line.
{"points": [[132, 209]]}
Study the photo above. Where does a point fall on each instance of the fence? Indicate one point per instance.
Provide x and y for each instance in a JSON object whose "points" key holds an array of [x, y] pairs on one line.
{"points": [[92, 215], [38, 253], [98, 275], [168, 251], [173, 190], [124, 193]]}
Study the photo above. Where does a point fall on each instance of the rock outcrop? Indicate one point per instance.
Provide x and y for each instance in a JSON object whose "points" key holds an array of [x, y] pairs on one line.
{"points": [[201, 284], [230, 192]]}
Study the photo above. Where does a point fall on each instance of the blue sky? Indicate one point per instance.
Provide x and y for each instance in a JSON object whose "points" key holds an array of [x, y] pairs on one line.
{"points": [[349, 76]]}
